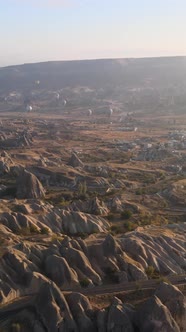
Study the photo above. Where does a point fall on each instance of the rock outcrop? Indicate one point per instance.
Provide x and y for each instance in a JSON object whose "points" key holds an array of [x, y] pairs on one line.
{"points": [[71, 261], [93, 206], [28, 186], [75, 161], [154, 316], [51, 310], [174, 300]]}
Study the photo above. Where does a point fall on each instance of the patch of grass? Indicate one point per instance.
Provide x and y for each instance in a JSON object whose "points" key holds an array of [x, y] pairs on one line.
{"points": [[25, 231], [119, 228]]}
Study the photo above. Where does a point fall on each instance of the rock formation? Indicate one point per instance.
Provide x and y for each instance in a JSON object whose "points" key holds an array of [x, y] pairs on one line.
{"points": [[28, 186], [51, 310], [75, 161]]}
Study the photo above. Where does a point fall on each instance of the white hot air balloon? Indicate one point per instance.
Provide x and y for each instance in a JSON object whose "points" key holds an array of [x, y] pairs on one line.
{"points": [[110, 111], [89, 112], [64, 102], [29, 108], [57, 96]]}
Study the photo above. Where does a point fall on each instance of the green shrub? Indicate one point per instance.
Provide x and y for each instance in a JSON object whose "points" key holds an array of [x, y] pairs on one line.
{"points": [[110, 216], [110, 274], [140, 191], [138, 288], [23, 231], [115, 228], [150, 270], [130, 226], [84, 283], [44, 230], [15, 327], [163, 279], [126, 214], [56, 237], [82, 189], [34, 229], [64, 203]]}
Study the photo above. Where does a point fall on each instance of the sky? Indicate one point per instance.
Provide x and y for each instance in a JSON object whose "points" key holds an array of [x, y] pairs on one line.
{"points": [[45, 30]]}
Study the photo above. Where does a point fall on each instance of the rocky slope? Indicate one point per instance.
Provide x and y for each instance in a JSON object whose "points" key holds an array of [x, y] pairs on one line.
{"points": [[54, 254], [29, 257], [51, 310]]}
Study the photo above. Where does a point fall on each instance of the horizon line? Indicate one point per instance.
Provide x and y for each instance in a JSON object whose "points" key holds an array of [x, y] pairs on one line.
{"points": [[94, 59]]}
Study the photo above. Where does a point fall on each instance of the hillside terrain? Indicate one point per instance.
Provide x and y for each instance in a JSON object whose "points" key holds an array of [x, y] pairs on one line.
{"points": [[133, 84], [92, 196]]}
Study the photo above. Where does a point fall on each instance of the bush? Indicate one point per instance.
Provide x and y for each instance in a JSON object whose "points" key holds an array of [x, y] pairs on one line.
{"points": [[23, 231], [138, 288], [82, 189], [34, 229], [55, 238], [115, 229], [163, 279], [110, 274], [84, 283], [110, 216], [126, 214], [16, 327], [130, 226], [150, 270], [44, 230], [140, 191], [64, 203]]}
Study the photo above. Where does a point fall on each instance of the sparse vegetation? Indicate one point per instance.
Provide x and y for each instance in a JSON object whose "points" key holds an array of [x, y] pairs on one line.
{"points": [[130, 171], [126, 214], [34, 229], [44, 230], [84, 283], [82, 190], [150, 271], [16, 327], [111, 216], [163, 279], [55, 237]]}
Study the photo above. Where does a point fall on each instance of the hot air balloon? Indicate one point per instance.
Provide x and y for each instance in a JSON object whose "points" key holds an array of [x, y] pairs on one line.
{"points": [[29, 108], [110, 111], [89, 112]]}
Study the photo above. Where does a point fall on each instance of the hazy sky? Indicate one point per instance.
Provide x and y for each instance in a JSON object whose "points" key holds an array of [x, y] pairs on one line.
{"points": [[41, 30]]}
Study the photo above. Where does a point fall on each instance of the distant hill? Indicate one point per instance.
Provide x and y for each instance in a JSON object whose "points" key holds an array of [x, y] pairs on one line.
{"points": [[152, 72]]}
